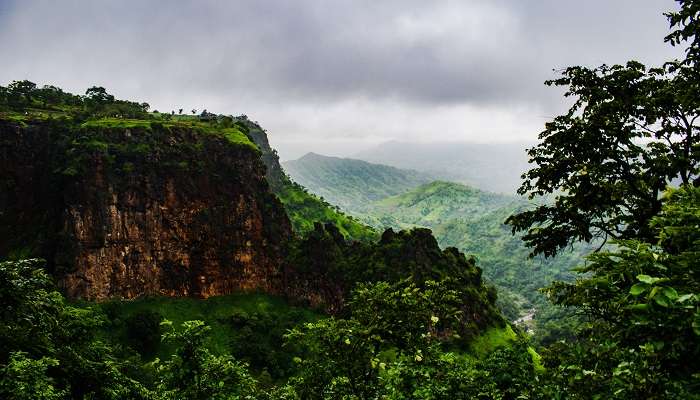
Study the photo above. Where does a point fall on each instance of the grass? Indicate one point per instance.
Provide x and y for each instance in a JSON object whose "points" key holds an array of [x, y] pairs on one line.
{"points": [[492, 339], [122, 123], [215, 311], [232, 135], [304, 209]]}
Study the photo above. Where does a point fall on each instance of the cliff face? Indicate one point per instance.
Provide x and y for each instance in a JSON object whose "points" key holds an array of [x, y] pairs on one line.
{"points": [[125, 211]]}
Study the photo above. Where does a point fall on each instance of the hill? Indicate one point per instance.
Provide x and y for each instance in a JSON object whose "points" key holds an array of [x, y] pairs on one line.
{"points": [[490, 167], [472, 221], [304, 208], [351, 184], [459, 215]]}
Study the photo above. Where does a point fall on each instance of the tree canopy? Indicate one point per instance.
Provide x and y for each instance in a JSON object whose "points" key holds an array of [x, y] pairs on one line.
{"points": [[631, 133]]}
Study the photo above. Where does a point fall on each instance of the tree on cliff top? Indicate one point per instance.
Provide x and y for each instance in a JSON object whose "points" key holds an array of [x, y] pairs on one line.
{"points": [[631, 133]]}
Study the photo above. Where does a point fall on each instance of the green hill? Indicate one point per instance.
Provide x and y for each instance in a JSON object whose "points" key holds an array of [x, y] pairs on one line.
{"points": [[459, 215], [472, 221], [304, 208], [439, 202], [494, 167], [351, 184]]}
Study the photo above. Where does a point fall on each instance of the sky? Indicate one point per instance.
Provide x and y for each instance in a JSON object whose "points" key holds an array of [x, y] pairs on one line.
{"points": [[335, 76]]}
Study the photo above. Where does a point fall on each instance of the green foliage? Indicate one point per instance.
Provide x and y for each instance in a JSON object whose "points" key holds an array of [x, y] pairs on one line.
{"points": [[395, 344], [305, 209], [143, 331], [630, 133], [26, 379], [39, 332], [491, 340], [643, 301], [194, 373], [329, 260], [351, 184], [247, 326]]}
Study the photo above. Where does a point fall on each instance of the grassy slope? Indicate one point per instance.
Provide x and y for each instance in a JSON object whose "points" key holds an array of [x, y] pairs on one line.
{"points": [[232, 134], [351, 184], [472, 221], [304, 209], [215, 311], [460, 216]]}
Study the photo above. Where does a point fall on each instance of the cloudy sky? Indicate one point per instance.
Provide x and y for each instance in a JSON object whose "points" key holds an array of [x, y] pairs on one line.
{"points": [[333, 76]]}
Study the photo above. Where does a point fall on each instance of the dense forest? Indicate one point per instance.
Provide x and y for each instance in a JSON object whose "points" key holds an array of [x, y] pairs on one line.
{"points": [[459, 216], [149, 255]]}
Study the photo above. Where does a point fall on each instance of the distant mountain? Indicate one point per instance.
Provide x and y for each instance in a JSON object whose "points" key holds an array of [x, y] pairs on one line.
{"points": [[439, 202], [472, 220], [491, 167], [459, 215], [351, 184]]}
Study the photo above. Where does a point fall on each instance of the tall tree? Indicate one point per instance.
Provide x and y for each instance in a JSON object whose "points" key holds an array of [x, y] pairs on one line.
{"points": [[631, 133]]}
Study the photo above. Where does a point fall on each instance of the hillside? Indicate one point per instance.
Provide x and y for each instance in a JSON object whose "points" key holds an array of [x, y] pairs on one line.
{"points": [[127, 207], [459, 215], [153, 256], [490, 167], [438, 202], [304, 208], [472, 221], [351, 184]]}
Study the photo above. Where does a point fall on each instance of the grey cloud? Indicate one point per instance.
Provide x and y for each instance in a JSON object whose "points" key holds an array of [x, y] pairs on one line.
{"points": [[260, 56]]}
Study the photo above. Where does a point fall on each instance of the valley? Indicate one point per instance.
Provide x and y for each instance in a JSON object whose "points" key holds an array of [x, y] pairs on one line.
{"points": [[460, 216]]}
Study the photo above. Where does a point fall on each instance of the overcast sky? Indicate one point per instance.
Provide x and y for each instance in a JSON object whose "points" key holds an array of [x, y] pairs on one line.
{"points": [[329, 76]]}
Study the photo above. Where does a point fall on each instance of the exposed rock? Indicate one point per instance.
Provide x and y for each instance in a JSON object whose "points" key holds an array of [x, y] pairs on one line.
{"points": [[131, 212]]}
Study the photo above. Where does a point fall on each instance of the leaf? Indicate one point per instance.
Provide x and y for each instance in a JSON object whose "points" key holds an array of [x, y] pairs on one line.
{"points": [[662, 300], [638, 307], [638, 289], [685, 297], [670, 293], [647, 279]]}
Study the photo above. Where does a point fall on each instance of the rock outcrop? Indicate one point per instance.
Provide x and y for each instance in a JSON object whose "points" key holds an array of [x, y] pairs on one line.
{"points": [[127, 211]]}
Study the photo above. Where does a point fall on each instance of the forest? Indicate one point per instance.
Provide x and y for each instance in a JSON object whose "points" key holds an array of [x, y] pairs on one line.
{"points": [[167, 255]]}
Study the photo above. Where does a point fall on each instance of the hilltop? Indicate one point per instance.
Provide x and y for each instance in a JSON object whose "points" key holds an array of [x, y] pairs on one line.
{"points": [[351, 184], [490, 167], [459, 215]]}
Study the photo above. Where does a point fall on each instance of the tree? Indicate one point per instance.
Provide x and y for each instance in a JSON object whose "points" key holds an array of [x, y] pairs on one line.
{"points": [[50, 95], [643, 303], [98, 95], [46, 343], [630, 137], [194, 373], [27, 379], [20, 93], [394, 344], [631, 133]]}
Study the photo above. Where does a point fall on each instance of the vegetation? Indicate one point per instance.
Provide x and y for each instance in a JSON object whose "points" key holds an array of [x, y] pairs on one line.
{"points": [[351, 184], [304, 210], [472, 221], [413, 321]]}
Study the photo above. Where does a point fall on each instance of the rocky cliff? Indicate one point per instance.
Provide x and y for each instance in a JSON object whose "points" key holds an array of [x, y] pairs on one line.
{"points": [[131, 208]]}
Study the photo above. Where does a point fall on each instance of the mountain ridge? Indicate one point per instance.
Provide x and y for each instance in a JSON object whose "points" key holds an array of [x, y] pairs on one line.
{"points": [[357, 182], [491, 167]]}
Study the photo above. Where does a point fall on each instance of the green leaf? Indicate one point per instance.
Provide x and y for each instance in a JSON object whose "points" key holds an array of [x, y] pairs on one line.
{"points": [[647, 279], [638, 307], [670, 293], [662, 300], [638, 289], [685, 297]]}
